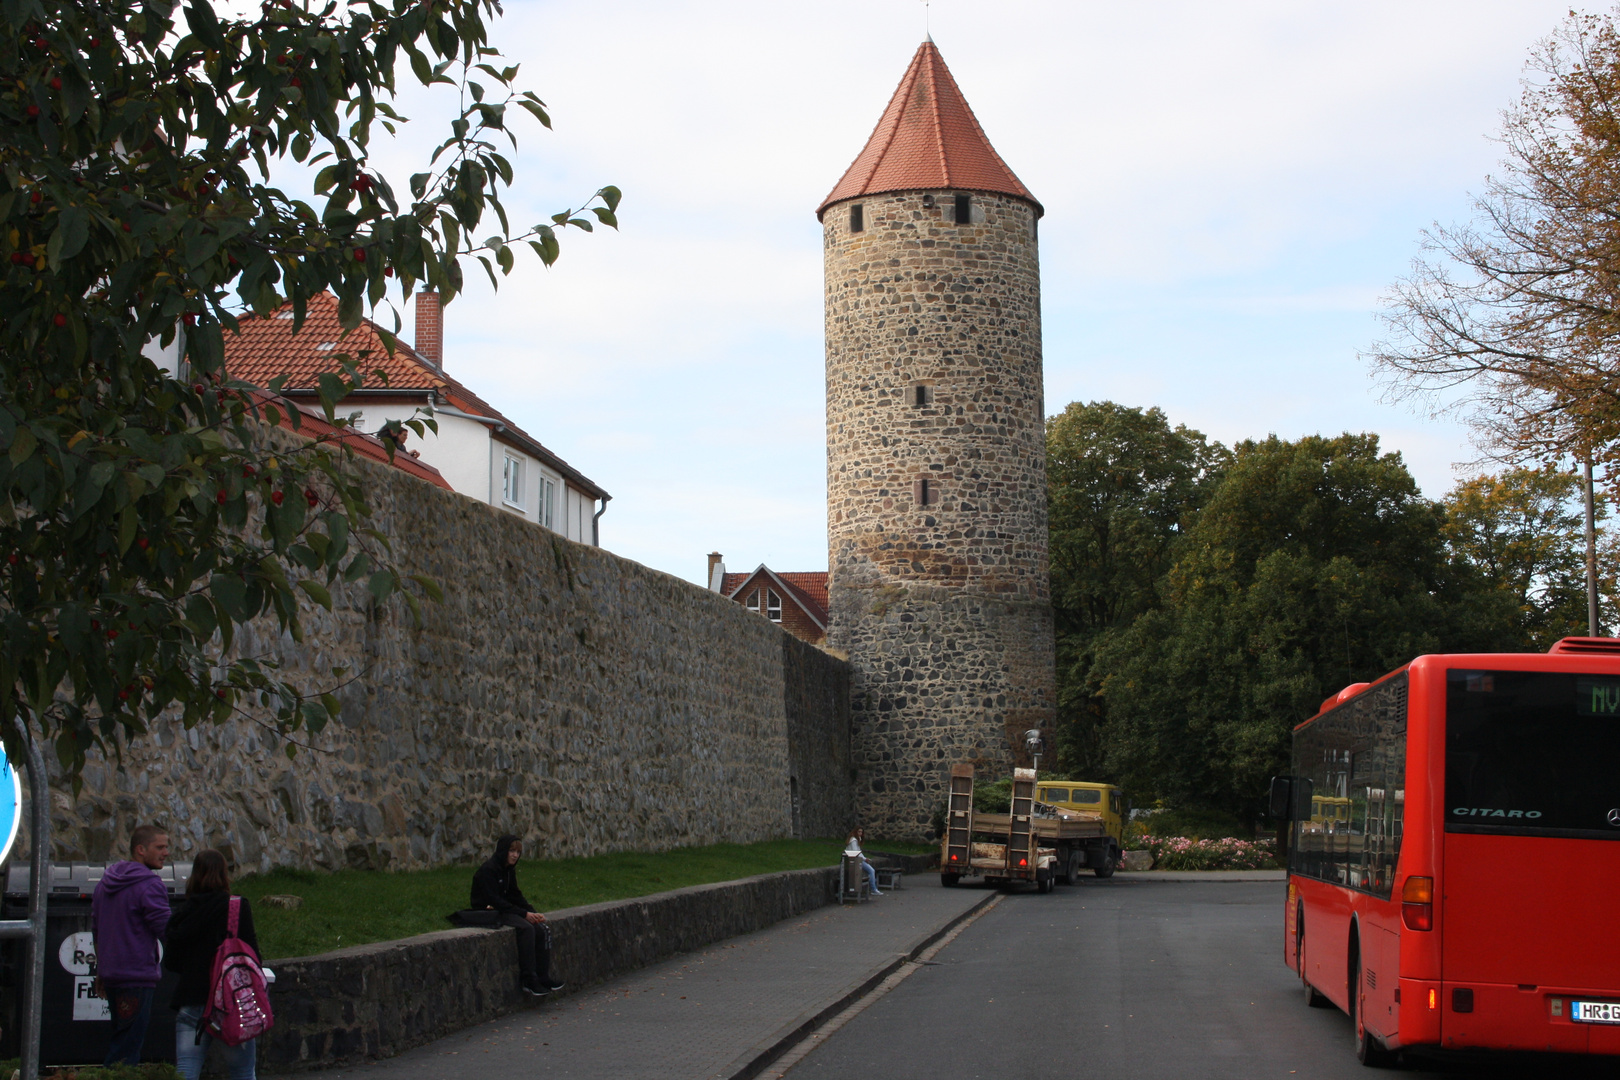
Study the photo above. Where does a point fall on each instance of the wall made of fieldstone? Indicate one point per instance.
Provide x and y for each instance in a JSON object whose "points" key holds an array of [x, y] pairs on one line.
{"points": [[560, 692]]}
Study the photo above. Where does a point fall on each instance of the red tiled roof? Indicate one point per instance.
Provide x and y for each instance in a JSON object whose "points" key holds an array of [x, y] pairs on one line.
{"points": [[807, 588], [312, 425], [928, 138], [267, 347]]}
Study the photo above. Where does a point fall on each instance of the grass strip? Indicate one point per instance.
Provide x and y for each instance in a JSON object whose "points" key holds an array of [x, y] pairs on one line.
{"points": [[357, 907]]}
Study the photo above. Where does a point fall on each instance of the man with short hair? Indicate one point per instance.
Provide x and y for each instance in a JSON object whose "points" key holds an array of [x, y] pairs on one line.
{"points": [[128, 914], [495, 892]]}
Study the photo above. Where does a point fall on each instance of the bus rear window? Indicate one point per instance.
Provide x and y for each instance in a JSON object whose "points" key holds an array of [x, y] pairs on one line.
{"points": [[1533, 753]]}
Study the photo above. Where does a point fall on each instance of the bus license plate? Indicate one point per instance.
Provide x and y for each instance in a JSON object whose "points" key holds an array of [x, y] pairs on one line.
{"points": [[1595, 1012]]}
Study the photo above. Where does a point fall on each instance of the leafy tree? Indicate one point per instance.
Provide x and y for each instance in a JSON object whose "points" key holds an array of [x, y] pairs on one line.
{"points": [[144, 516], [1122, 487], [1314, 564], [1521, 307], [1524, 532]]}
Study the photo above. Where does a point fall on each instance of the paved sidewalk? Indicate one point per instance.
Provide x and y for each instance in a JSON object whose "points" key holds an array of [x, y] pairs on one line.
{"points": [[709, 1015], [1201, 875]]}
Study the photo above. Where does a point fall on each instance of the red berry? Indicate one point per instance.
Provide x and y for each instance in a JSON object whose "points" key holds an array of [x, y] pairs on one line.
{"points": [[220, 694], [310, 496], [248, 472], [132, 626], [112, 635], [17, 256], [296, 81], [95, 43], [33, 110], [198, 388], [361, 183], [359, 254], [388, 271], [35, 198], [190, 318], [277, 496], [221, 497], [144, 543], [59, 319], [12, 558], [56, 84], [123, 695], [95, 624], [126, 226]]}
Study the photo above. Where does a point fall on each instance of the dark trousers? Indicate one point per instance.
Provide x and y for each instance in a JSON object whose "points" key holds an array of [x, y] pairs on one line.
{"points": [[131, 1012], [534, 949]]}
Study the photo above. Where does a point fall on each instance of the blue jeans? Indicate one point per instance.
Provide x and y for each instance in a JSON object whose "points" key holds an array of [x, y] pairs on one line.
{"points": [[131, 1008], [871, 876], [240, 1061]]}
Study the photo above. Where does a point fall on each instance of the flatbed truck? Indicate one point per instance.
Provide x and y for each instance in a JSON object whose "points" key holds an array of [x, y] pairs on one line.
{"points": [[1032, 843]]}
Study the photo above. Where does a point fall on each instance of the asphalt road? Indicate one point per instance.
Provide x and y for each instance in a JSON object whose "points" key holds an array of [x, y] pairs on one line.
{"points": [[1118, 979]]}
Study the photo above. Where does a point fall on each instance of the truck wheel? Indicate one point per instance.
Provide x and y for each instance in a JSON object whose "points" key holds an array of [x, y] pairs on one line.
{"points": [[1071, 869], [1105, 869], [1043, 881], [948, 879]]}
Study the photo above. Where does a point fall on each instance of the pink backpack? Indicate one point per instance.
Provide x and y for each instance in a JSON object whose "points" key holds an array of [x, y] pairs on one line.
{"points": [[238, 1006]]}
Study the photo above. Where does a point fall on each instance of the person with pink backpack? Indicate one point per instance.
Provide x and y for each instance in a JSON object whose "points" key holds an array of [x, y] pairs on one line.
{"points": [[221, 993]]}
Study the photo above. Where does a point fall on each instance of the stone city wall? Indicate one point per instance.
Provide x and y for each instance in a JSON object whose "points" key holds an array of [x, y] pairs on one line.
{"points": [[560, 692]]}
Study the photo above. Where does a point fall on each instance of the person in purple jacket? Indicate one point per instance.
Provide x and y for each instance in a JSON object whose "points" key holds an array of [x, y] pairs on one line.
{"points": [[128, 914]]}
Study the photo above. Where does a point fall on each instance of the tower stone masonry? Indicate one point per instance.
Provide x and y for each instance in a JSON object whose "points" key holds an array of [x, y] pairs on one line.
{"points": [[936, 454]]}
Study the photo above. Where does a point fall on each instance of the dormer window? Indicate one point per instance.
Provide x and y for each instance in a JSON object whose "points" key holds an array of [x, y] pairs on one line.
{"points": [[773, 606], [857, 218], [753, 601]]}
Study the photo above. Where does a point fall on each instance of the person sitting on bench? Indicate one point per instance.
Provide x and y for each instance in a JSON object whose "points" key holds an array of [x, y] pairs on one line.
{"points": [[853, 846]]}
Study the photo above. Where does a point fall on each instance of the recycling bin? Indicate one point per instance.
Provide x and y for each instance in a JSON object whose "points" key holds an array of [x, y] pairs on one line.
{"points": [[76, 1025]]}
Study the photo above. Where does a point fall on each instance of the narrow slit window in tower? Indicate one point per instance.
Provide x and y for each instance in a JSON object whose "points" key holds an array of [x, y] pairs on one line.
{"points": [[964, 209], [857, 218], [925, 492], [922, 394]]}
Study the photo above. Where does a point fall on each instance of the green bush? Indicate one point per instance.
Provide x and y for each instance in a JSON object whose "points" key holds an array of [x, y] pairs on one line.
{"points": [[1225, 853], [995, 798], [1193, 824]]}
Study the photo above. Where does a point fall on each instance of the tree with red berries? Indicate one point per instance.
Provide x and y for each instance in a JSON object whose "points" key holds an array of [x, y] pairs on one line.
{"points": [[146, 512]]}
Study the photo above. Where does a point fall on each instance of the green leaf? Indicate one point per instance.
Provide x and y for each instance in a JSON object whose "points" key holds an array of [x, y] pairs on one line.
{"points": [[430, 587], [22, 444], [381, 584], [72, 230], [317, 592]]}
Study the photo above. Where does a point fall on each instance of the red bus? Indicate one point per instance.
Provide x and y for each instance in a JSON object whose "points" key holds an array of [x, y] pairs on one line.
{"points": [[1454, 854]]}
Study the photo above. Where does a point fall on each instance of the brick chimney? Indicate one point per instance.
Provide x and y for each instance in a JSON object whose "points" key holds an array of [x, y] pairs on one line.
{"points": [[430, 327], [714, 560]]}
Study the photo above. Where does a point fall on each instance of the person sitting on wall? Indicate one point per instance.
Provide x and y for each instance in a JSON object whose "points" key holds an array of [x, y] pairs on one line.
{"points": [[853, 847], [497, 901]]}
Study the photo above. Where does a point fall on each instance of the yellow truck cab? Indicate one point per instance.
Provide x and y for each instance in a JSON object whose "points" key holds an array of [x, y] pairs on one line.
{"points": [[1104, 800]]}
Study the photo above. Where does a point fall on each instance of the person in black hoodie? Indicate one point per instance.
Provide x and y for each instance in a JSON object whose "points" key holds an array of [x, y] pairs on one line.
{"points": [[195, 935], [495, 888]]}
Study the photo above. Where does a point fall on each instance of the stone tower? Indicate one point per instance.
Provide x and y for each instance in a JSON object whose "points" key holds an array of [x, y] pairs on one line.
{"points": [[936, 453]]}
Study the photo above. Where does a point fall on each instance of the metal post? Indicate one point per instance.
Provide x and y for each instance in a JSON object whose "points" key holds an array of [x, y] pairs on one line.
{"points": [[1592, 628], [32, 929]]}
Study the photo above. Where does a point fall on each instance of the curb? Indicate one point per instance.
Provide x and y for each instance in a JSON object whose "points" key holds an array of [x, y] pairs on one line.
{"points": [[1201, 875], [758, 1061]]}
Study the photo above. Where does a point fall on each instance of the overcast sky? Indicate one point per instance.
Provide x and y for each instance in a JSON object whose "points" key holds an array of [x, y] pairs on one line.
{"points": [[1229, 189]]}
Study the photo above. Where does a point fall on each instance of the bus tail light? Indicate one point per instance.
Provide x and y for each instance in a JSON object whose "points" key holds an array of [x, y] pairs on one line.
{"points": [[1417, 903]]}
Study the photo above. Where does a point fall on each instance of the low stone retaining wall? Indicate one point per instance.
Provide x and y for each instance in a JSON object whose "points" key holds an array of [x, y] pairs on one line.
{"points": [[373, 1001]]}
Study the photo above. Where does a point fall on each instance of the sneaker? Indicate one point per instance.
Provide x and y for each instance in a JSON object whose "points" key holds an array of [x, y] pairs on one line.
{"points": [[550, 985], [535, 989]]}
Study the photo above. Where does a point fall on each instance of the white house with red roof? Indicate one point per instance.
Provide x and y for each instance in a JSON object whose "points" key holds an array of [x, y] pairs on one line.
{"points": [[478, 451]]}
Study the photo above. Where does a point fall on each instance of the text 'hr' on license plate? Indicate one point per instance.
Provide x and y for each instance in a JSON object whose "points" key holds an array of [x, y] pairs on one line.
{"points": [[1595, 1012]]}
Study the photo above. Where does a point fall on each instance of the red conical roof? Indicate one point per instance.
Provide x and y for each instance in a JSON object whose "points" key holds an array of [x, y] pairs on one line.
{"points": [[928, 138]]}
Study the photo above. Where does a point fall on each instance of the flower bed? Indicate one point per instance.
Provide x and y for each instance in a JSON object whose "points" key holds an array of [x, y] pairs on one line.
{"points": [[1180, 853]]}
